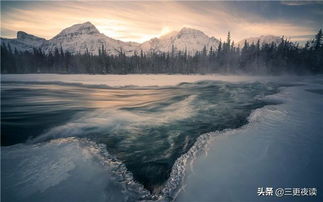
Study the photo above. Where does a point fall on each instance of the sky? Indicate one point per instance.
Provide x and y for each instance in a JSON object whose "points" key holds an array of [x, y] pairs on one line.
{"points": [[142, 20]]}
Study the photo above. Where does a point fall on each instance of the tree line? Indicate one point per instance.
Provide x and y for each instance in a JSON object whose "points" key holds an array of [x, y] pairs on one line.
{"points": [[254, 58]]}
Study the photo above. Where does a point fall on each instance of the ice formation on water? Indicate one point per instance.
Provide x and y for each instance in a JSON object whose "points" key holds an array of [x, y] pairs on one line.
{"points": [[65, 160]]}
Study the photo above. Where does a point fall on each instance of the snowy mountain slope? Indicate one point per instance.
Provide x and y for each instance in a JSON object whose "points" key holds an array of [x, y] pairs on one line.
{"points": [[84, 37], [188, 39], [262, 39], [81, 38], [24, 42]]}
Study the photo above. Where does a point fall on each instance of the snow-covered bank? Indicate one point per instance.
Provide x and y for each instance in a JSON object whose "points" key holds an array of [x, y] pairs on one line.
{"points": [[66, 169], [281, 147]]}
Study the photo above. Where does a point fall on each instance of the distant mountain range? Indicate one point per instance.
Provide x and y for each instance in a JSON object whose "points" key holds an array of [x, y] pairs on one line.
{"points": [[81, 38], [262, 40]]}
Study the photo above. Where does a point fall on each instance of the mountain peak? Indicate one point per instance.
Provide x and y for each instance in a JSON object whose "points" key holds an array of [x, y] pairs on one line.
{"points": [[86, 28], [190, 33], [87, 23], [23, 36], [188, 30]]}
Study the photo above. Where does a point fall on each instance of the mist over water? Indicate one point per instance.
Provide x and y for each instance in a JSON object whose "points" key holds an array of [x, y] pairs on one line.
{"points": [[146, 128]]}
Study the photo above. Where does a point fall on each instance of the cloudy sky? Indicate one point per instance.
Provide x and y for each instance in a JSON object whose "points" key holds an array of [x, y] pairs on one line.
{"points": [[140, 21]]}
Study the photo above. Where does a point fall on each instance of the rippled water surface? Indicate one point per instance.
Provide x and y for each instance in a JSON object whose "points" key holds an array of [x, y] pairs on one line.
{"points": [[145, 127]]}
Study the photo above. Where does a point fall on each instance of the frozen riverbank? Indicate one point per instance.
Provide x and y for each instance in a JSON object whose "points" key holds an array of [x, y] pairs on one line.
{"points": [[281, 147]]}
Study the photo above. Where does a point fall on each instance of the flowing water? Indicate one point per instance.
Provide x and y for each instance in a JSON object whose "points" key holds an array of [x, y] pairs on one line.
{"points": [[145, 129]]}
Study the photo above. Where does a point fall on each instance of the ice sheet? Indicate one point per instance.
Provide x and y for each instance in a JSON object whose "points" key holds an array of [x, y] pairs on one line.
{"points": [[281, 147]]}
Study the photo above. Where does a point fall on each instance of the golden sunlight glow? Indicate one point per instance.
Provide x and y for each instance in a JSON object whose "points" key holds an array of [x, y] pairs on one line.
{"points": [[140, 21]]}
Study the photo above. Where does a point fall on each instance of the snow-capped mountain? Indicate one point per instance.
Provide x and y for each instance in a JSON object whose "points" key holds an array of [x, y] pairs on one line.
{"points": [[24, 42], [187, 39], [85, 37], [81, 38], [262, 39]]}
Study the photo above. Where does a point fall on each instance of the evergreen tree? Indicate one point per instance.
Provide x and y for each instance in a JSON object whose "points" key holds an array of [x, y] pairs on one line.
{"points": [[251, 58]]}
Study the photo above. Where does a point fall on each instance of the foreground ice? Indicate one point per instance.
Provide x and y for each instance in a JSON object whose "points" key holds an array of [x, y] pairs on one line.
{"points": [[60, 170], [281, 147]]}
